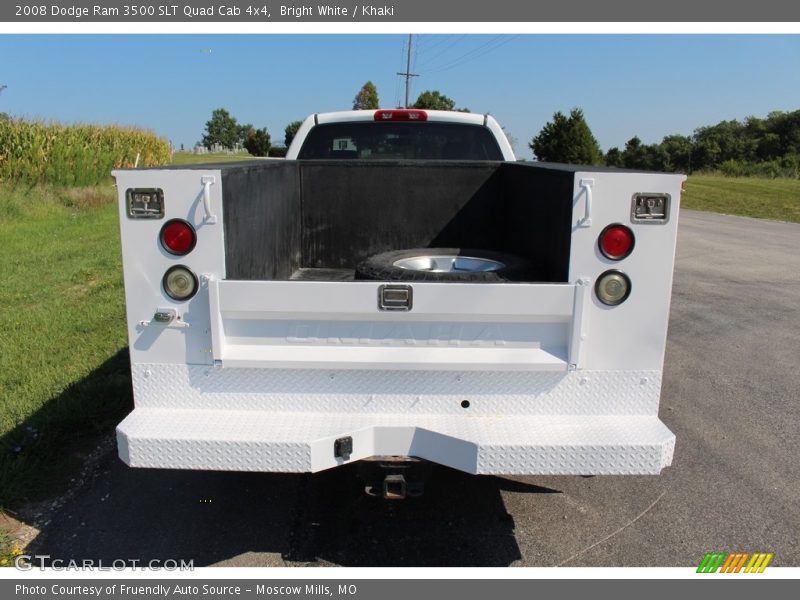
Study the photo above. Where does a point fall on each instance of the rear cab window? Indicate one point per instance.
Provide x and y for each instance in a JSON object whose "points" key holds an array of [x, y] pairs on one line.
{"points": [[401, 140]]}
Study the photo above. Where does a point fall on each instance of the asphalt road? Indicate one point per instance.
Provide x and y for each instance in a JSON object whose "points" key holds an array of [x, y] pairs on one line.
{"points": [[731, 394]]}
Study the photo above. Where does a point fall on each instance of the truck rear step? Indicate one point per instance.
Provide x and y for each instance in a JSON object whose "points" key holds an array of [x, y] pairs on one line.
{"points": [[481, 444]]}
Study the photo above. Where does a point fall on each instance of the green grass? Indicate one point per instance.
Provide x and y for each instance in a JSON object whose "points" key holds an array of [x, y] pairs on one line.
{"points": [[777, 199], [8, 550], [63, 373], [187, 158]]}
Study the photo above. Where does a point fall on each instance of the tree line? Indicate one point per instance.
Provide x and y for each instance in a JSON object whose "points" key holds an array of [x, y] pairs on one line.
{"points": [[223, 130], [766, 147]]}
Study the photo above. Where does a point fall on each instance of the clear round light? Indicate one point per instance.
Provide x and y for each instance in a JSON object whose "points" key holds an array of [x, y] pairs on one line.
{"points": [[613, 288], [180, 283]]}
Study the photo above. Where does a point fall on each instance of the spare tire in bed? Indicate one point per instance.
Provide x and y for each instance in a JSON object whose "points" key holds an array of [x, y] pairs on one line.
{"points": [[445, 264]]}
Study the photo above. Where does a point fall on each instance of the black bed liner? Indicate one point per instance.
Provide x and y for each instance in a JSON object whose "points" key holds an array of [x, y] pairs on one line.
{"points": [[283, 218]]}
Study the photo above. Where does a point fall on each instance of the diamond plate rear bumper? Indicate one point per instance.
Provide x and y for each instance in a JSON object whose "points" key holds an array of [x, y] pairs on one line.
{"points": [[247, 440]]}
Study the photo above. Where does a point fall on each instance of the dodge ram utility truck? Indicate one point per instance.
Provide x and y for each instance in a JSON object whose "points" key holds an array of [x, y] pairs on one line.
{"points": [[400, 291]]}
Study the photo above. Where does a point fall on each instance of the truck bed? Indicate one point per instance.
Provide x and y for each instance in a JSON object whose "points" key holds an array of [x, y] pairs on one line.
{"points": [[282, 218]]}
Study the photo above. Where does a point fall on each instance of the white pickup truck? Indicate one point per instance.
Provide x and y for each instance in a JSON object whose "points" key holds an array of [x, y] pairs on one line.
{"points": [[400, 291]]}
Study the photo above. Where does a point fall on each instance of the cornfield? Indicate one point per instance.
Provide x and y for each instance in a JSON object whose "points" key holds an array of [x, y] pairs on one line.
{"points": [[73, 155]]}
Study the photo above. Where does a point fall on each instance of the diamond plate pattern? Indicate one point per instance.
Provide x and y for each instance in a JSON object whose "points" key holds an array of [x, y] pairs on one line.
{"points": [[280, 442], [397, 392]]}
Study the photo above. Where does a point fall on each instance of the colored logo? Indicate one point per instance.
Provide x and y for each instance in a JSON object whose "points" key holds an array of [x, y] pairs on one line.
{"points": [[735, 562]]}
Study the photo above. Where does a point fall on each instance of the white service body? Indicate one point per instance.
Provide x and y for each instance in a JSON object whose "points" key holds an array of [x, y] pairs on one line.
{"points": [[524, 378]]}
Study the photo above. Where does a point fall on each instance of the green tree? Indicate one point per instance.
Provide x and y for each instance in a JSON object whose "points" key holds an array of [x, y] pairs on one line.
{"points": [[221, 129], [706, 154], [727, 140], [651, 157], [787, 127], [277, 151], [568, 140], [634, 156], [366, 98], [244, 130], [764, 147], [257, 141], [614, 158], [290, 132], [434, 100], [678, 149], [768, 146]]}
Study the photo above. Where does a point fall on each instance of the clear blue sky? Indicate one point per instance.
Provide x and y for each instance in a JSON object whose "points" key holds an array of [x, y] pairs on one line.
{"points": [[645, 85]]}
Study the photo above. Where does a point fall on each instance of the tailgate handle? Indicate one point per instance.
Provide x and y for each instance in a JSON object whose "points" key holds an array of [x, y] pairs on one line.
{"points": [[207, 182], [586, 186], [395, 297]]}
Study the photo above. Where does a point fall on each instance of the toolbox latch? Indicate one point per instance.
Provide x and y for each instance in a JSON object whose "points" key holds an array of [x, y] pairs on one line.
{"points": [[395, 297]]}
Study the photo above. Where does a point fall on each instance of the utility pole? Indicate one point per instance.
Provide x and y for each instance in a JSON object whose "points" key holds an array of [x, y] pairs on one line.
{"points": [[408, 74]]}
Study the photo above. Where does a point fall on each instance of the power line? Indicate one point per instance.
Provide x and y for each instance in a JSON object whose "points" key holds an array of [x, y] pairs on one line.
{"points": [[493, 44], [451, 44], [424, 41], [471, 54]]}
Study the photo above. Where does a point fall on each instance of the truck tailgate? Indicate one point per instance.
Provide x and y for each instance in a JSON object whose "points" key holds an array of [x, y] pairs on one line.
{"points": [[293, 324]]}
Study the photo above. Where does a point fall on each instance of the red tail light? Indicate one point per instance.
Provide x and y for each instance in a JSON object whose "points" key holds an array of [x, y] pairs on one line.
{"points": [[401, 114], [616, 241], [178, 237]]}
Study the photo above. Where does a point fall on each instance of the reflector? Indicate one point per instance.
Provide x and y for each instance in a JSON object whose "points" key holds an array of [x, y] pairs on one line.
{"points": [[616, 241], [178, 237]]}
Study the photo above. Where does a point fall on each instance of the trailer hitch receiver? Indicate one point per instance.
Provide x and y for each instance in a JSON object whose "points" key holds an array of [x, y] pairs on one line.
{"points": [[394, 487]]}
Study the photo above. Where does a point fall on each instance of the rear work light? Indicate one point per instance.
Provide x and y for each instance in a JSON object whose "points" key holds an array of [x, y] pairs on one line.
{"points": [[613, 288], [178, 237], [401, 114], [180, 283], [616, 241]]}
